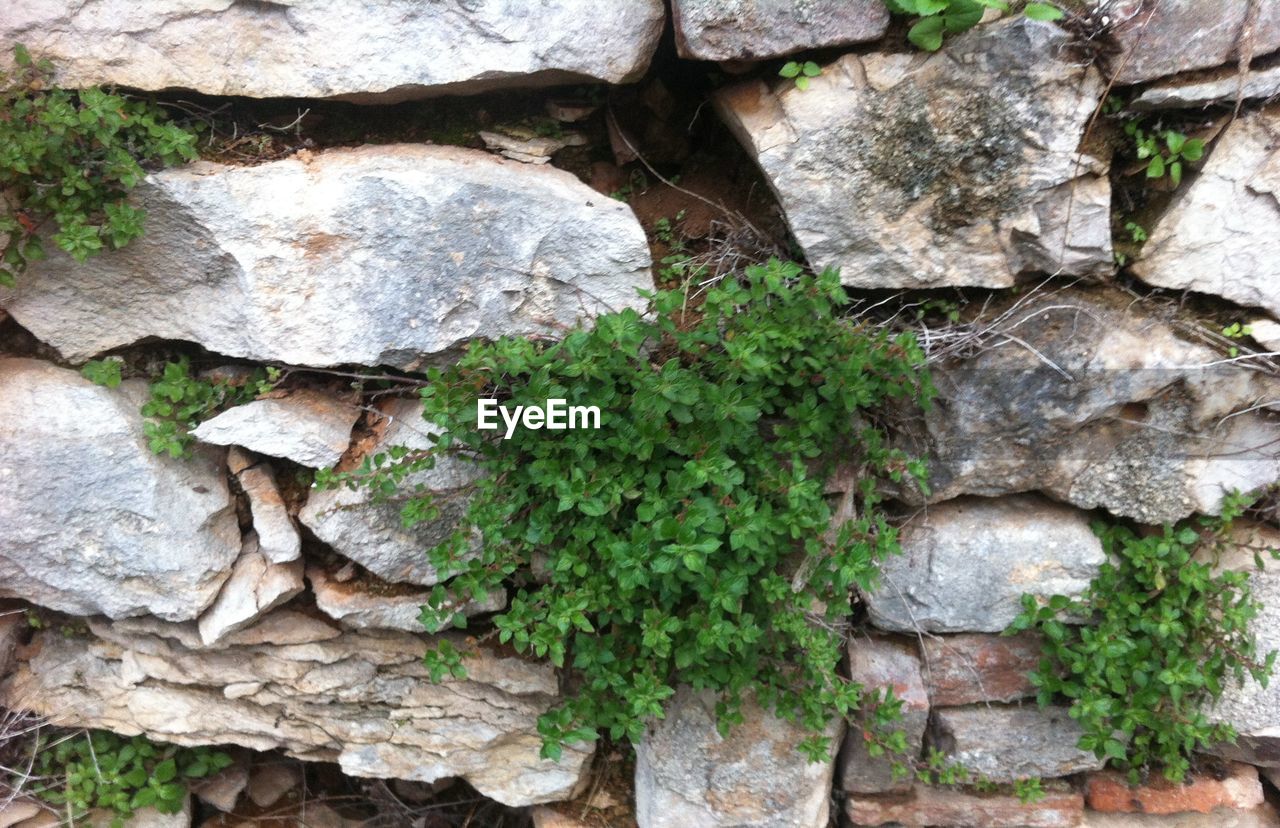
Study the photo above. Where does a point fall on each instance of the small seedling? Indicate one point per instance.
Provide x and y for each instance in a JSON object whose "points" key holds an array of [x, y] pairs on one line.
{"points": [[1136, 232], [1164, 150], [800, 72]]}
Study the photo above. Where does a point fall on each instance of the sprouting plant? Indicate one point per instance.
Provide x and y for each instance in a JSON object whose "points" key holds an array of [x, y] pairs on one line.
{"points": [[800, 72], [71, 157], [1164, 150], [179, 402], [637, 182], [104, 372], [1137, 232], [935, 19], [1237, 331]]}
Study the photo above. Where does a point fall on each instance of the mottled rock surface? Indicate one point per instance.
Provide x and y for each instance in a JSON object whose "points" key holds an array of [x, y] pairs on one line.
{"points": [[966, 563], [875, 663], [758, 29], [352, 49], [970, 668], [1238, 787], [688, 776], [1162, 38], [377, 255], [1220, 86], [307, 427], [362, 700], [1263, 816], [91, 522], [1221, 234], [928, 805], [955, 169], [1007, 743]]}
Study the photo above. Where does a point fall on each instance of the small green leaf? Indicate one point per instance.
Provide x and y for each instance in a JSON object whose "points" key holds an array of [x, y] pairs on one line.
{"points": [[1043, 11]]}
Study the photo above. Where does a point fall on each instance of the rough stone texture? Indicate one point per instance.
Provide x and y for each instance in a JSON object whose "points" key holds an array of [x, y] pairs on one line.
{"points": [[1264, 816], [307, 427], [1221, 234], [877, 662], [372, 534], [376, 255], [362, 700], [352, 49], [223, 789], [1110, 791], [1096, 399], [688, 776], [277, 536], [971, 668], [928, 805], [271, 781], [758, 29], [1007, 743], [1162, 38], [255, 587], [90, 520], [362, 605], [1267, 334], [956, 169], [1220, 86], [966, 563]]}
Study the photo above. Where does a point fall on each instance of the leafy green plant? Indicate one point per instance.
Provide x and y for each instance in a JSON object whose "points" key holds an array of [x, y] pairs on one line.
{"points": [[688, 539], [800, 72], [98, 769], [1164, 634], [179, 402], [71, 157], [935, 19], [103, 371], [1137, 233], [1164, 150]]}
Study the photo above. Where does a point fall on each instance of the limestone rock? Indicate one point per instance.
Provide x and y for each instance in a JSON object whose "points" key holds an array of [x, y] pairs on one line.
{"points": [[372, 534], [970, 668], [255, 587], [362, 700], [1238, 788], [758, 29], [1263, 816], [875, 663], [688, 776], [351, 49], [1221, 86], [1267, 334], [1097, 400], [277, 536], [929, 805], [1007, 743], [1221, 234], [307, 427], [223, 789], [1171, 36], [91, 522], [362, 605], [960, 168], [966, 563], [285, 262]]}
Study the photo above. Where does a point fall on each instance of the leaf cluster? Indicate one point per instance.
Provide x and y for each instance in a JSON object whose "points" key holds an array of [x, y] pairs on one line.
{"points": [[1164, 634], [1164, 150], [70, 157], [800, 72], [689, 539], [935, 19], [179, 402]]}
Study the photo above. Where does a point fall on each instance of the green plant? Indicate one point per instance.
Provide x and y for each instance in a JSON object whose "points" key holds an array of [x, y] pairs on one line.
{"points": [[935, 19], [179, 402], [1164, 150], [71, 157], [800, 72], [1137, 233], [688, 539], [1164, 632], [103, 371], [98, 769]]}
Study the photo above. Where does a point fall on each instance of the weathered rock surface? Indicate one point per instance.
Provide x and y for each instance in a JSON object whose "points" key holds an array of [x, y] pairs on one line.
{"points": [[956, 169], [758, 29], [255, 587], [377, 255], [352, 49], [971, 668], [1170, 36], [277, 536], [966, 563], [929, 806], [1239, 787], [1221, 234], [688, 776], [307, 427], [1097, 400], [360, 699], [361, 605], [1007, 743], [875, 663], [373, 534], [90, 520], [1220, 86], [1263, 816]]}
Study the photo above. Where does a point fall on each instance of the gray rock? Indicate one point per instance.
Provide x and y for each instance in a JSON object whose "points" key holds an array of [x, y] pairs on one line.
{"points": [[362, 605], [362, 700], [277, 536], [91, 522], [1097, 399], [688, 776], [959, 168], [1221, 234], [1007, 743], [352, 49], [875, 663], [1267, 334], [758, 29], [1171, 36], [372, 533], [377, 255], [1222, 86], [307, 427], [255, 587], [966, 563]]}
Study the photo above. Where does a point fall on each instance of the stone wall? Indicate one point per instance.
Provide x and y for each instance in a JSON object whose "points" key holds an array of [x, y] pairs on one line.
{"points": [[221, 605]]}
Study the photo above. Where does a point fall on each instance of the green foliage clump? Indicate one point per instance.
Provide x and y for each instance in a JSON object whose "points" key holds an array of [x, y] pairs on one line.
{"points": [[689, 539], [1164, 633], [935, 19], [800, 72], [179, 402], [98, 769], [71, 157], [1164, 151]]}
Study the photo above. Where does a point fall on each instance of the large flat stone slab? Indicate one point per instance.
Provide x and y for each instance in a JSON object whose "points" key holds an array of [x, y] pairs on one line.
{"points": [[754, 30]]}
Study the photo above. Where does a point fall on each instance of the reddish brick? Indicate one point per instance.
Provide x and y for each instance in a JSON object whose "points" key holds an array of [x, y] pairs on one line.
{"points": [[1240, 788], [1061, 807], [972, 667]]}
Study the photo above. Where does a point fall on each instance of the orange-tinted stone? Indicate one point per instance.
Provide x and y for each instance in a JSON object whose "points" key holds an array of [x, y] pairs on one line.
{"points": [[1061, 807], [1239, 788]]}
